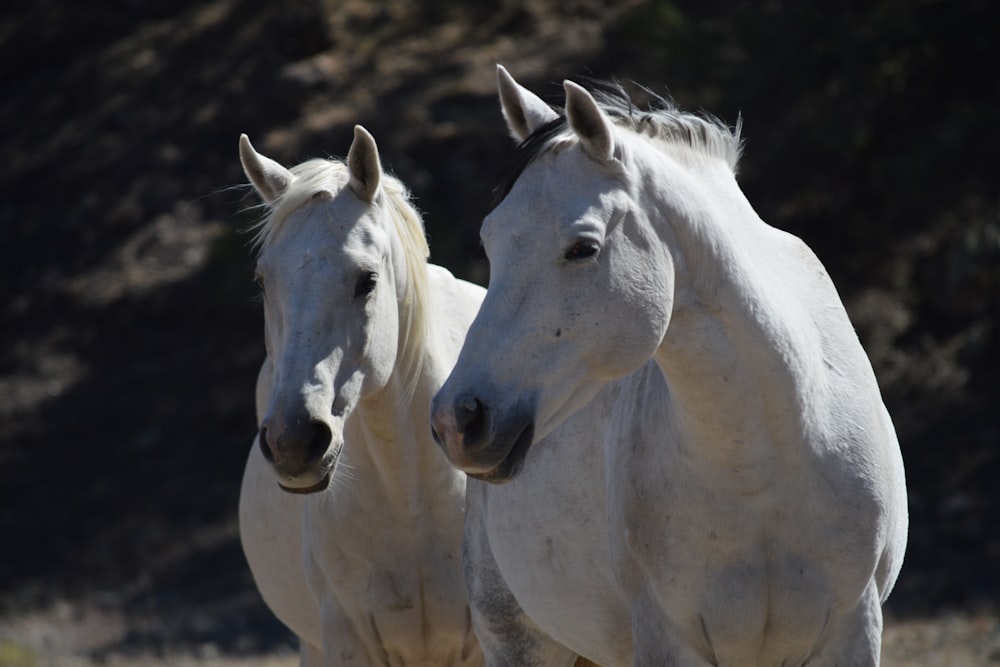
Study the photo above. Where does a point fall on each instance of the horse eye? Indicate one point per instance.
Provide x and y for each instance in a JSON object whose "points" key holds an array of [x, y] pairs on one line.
{"points": [[582, 250], [366, 284], [259, 282]]}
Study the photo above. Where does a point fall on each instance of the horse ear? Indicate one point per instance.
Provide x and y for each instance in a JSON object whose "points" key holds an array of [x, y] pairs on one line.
{"points": [[364, 165], [523, 110], [268, 177], [589, 123]]}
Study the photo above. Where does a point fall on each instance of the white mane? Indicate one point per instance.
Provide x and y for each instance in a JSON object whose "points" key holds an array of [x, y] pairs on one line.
{"points": [[662, 120]]}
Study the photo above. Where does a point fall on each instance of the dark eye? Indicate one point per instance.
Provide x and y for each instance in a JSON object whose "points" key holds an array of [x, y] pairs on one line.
{"points": [[582, 250], [366, 284], [259, 282]]}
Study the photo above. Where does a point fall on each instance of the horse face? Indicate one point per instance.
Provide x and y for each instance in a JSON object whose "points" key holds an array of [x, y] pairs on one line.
{"points": [[328, 283], [331, 329], [580, 293]]}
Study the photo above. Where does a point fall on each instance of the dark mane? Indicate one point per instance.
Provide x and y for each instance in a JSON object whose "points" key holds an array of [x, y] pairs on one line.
{"points": [[526, 152]]}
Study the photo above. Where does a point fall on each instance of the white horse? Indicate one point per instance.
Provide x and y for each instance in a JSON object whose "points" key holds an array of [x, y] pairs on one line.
{"points": [[360, 331], [699, 466]]}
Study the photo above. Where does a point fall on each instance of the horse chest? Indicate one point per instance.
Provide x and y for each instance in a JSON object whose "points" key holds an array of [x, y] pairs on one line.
{"points": [[397, 587], [742, 575]]}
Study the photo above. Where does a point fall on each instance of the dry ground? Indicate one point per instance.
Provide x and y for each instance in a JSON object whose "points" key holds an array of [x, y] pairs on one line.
{"points": [[947, 641]]}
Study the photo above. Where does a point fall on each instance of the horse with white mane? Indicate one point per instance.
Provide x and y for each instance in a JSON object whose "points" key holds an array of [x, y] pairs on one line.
{"points": [[360, 331], [690, 459]]}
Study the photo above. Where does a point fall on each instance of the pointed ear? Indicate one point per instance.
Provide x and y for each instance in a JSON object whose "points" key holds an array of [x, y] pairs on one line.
{"points": [[523, 110], [591, 125], [268, 177], [364, 165]]}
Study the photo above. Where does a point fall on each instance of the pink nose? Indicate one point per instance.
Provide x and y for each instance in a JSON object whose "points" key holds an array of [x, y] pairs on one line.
{"points": [[447, 436], [459, 430]]}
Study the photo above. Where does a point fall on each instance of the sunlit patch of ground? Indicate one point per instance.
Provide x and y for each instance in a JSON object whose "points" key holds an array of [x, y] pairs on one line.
{"points": [[949, 641]]}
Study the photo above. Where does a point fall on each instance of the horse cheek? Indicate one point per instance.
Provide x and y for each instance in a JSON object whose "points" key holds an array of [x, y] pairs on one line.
{"points": [[381, 352], [636, 318]]}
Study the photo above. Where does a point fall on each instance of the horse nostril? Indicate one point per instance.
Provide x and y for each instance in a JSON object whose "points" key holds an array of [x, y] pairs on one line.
{"points": [[469, 416], [264, 448], [319, 442]]}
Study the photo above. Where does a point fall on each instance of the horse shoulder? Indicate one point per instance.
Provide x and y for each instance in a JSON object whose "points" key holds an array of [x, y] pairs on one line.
{"points": [[856, 450]]}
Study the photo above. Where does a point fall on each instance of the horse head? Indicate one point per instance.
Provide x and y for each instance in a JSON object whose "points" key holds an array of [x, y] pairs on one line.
{"points": [[333, 278]]}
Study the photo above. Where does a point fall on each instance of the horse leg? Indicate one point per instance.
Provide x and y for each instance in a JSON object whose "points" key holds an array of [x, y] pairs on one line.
{"points": [[855, 639], [515, 642], [309, 655], [342, 645], [655, 642], [510, 639]]}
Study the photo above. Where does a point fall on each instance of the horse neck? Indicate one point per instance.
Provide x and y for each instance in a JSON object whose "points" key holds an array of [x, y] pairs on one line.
{"points": [[729, 344], [398, 452], [390, 434]]}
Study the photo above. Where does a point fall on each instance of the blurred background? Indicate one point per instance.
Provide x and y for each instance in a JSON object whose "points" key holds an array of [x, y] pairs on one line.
{"points": [[130, 339]]}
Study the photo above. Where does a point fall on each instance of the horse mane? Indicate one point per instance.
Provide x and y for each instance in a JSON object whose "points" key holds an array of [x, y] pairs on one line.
{"points": [[661, 119], [319, 176]]}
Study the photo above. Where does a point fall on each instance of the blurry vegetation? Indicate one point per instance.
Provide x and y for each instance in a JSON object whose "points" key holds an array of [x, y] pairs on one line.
{"points": [[14, 655]]}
